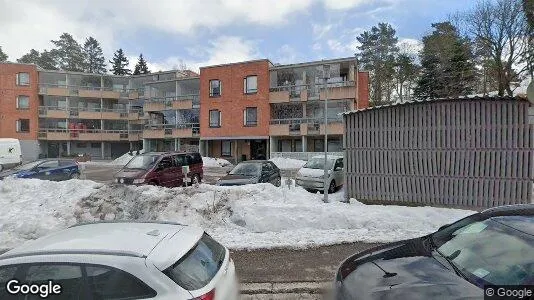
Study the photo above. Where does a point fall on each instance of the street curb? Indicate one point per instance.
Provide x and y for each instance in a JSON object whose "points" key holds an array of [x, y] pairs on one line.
{"points": [[309, 287]]}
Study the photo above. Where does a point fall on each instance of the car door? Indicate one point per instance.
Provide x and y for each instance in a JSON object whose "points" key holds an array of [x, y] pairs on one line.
{"points": [[267, 173], [48, 170], [179, 162], [66, 169], [165, 172], [68, 276]]}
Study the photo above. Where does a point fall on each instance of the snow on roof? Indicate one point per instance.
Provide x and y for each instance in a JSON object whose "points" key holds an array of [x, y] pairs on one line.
{"points": [[462, 98]]}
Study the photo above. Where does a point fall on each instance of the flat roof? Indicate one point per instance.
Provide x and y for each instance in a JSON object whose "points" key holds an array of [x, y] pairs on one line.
{"points": [[121, 237], [463, 98], [238, 63]]}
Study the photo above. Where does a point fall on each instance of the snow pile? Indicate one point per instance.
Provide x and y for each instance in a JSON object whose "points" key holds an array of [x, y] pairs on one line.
{"points": [[287, 163], [125, 158], [215, 162], [242, 217], [33, 208]]}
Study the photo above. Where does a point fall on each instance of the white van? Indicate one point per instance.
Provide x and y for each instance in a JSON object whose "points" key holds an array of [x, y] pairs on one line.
{"points": [[10, 153]]}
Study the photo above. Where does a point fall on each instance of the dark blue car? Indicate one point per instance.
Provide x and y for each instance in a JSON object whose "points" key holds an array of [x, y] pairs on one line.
{"points": [[47, 169]]}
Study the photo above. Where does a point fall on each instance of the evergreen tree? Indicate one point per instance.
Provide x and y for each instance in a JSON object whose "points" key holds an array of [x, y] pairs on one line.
{"points": [[406, 71], [141, 66], [68, 53], [447, 64], [94, 58], [119, 64], [44, 60], [377, 55], [3, 56]]}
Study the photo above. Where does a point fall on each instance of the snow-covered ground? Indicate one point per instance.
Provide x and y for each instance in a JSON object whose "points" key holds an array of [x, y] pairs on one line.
{"points": [[287, 163], [246, 217], [215, 162]]}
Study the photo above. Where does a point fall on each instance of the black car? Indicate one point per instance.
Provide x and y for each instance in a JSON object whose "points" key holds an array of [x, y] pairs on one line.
{"points": [[494, 247], [252, 171]]}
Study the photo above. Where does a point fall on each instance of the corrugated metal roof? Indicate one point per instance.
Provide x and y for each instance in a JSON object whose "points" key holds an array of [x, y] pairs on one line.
{"points": [[470, 98]]}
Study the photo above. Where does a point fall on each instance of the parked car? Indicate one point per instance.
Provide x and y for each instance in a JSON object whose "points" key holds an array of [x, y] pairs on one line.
{"points": [[48, 169], [161, 168], [10, 153], [311, 175], [252, 171], [494, 247], [121, 260]]}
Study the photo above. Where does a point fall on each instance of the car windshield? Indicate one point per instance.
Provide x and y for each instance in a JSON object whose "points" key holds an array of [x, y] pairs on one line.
{"points": [[144, 162], [246, 169], [318, 163], [29, 166], [490, 251]]}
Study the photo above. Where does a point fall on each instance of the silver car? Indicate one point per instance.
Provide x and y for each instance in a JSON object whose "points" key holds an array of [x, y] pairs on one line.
{"points": [[311, 175]]}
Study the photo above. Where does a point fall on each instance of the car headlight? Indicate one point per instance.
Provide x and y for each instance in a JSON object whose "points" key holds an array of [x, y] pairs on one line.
{"points": [[139, 181]]}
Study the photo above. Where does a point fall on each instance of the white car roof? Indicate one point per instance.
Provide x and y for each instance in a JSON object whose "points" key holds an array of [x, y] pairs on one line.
{"points": [[121, 238], [328, 156]]}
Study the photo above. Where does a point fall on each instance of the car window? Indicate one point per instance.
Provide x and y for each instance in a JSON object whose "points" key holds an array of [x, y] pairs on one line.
{"points": [[49, 165], [339, 163], [267, 168], [7, 273], [180, 160], [197, 159], [68, 276], [106, 283], [165, 163], [198, 267], [65, 163]]}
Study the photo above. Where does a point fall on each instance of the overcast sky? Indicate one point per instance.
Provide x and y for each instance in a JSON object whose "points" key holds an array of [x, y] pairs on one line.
{"points": [[204, 32]]}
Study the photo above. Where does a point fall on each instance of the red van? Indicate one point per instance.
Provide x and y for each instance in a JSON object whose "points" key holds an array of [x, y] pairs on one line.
{"points": [[161, 168]]}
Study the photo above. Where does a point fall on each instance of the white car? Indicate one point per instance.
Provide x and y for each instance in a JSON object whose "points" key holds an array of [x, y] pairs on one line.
{"points": [[311, 175], [120, 260]]}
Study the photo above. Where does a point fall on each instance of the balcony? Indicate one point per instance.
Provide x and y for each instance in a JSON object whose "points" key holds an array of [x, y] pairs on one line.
{"points": [[166, 103], [52, 134], [336, 90], [53, 90], [110, 93], [304, 126], [81, 91], [161, 131], [53, 112], [339, 90]]}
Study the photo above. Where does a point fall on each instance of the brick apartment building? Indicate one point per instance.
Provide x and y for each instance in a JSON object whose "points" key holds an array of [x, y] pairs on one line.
{"points": [[239, 111]]}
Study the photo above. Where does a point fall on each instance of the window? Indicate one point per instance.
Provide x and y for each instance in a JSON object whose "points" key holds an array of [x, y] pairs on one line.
{"points": [[215, 118], [6, 274], [198, 267], [23, 79], [23, 125], [180, 160], [339, 163], [226, 148], [215, 88], [267, 168], [81, 145], [49, 165], [110, 283], [68, 276], [250, 116], [95, 145], [23, 102], [250, 84]]}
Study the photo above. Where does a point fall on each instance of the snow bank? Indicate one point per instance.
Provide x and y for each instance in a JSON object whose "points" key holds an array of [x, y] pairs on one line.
{"points": [[245, 217], [215, 162], [32, 208], [125, 158], [287, 163]]}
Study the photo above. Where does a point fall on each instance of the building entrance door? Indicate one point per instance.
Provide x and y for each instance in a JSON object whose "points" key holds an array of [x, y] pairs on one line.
{"points": [[258, 149]]}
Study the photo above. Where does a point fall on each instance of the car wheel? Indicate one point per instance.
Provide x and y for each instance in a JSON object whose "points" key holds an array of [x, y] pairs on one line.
{"points": [[332, 187], [195, 179], [152, 183], [278, 182], [75, 176]]}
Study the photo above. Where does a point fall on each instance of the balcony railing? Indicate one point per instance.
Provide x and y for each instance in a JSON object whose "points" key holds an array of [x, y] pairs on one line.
{"points": [[172, 126], [305, 121], [309, 87], [43, 109], [194, 97]]}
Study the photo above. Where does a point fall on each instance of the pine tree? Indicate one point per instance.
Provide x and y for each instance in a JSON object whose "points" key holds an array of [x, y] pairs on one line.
{"points": [[68, 53], [119, 64], [94, 58], [447, 64], [377, 54], [141, 66], [3, 56], [44, 60]]}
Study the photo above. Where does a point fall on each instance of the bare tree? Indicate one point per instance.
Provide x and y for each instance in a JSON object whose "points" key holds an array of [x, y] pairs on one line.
{"points": [[501, 29]]}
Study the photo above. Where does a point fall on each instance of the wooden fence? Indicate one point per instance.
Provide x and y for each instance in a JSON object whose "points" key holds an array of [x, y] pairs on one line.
{"points": [[461, 152]]}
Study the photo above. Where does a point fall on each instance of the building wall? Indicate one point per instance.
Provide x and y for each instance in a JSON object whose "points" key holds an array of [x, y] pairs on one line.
{"points": [[9, 91], [363, 90], [233, 101], [460, 152]]}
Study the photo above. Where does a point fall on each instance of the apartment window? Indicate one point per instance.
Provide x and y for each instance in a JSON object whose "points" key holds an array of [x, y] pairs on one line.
{"points": [[250, 116], [215, 118], [23, 79], [215, 88], [250, 84], [23, 125], [226, 148], [23, 102], [95, 145]]}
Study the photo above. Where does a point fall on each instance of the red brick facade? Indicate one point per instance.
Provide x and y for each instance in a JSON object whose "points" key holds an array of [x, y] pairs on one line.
{"points": [[363, 90], [233, 101], [9, 91]]}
